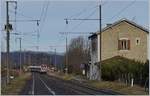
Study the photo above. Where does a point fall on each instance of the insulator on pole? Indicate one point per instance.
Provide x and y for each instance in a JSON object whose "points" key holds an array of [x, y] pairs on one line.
{"points": [[66, 21], [16, 5], [37, 23]]}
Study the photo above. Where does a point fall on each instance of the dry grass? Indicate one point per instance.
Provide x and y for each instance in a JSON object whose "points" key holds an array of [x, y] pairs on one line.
{"points": [[61, 75], [16, 85], [118, 87], [114, 86], [67, 77]]}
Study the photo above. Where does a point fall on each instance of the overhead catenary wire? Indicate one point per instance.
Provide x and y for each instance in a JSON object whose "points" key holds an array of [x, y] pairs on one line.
{"points": [[42, 19], [79, 14], [122, 10], [43, 7], [84, 20], [44, 12], [67, 41], [84, 10], [81, 23], [31, 19], [15, 23], [21, 14]]}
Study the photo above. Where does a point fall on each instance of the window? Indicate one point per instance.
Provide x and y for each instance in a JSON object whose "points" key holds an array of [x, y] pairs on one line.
{"points": [[124, 44], [137, 41]]}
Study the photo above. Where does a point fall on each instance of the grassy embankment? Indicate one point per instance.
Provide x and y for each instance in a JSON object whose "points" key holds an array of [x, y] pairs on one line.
{"points": [[16, 85], [118, 87]]}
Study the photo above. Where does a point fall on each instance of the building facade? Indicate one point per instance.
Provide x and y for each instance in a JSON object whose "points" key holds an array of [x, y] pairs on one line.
{"points": [[122, 38]]}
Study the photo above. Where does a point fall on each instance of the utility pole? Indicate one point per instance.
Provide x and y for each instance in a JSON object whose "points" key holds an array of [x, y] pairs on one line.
{"points": [[24, 57], [100, 35], [55, 52], [66, 19], [49, 60], [8, 37], [8, 28], [66, 57], [29, 58], [66, 69], [67, 65], [98, 76], [37, 55], [55, 58], [20, 55]]}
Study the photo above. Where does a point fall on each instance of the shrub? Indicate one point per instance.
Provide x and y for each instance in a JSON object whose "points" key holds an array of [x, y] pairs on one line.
{"points": [[123, 69]]}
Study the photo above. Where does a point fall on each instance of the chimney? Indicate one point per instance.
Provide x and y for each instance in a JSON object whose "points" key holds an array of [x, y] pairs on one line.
{"points": [[107, 25]]}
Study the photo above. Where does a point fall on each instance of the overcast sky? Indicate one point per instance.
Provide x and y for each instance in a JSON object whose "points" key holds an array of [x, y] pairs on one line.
{"points": [[57, 11]]}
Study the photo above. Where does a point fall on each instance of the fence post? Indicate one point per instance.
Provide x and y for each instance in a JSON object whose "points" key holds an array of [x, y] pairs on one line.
{"points": [[132, 82]]}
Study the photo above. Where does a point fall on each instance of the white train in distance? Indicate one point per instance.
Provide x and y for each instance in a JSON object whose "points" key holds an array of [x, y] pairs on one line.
{"points": [[41, 69]]}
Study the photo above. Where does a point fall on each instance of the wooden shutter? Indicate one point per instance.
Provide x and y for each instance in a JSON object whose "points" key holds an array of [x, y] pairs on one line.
{"points": [[128, 44]]}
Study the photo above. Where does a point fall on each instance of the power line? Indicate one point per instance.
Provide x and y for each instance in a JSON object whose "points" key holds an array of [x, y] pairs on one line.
{"points": [[63, 33], [84, 20], [25, 20], [85, 10], [88, 16], [79, 14], [76, 27], [44, 16], [122, 10], [15, 23], [81, 19], [42, 10], [21, 14]]}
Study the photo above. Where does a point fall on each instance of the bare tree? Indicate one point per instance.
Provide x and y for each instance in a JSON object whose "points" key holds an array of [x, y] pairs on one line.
{"points": [[78, 53]]}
